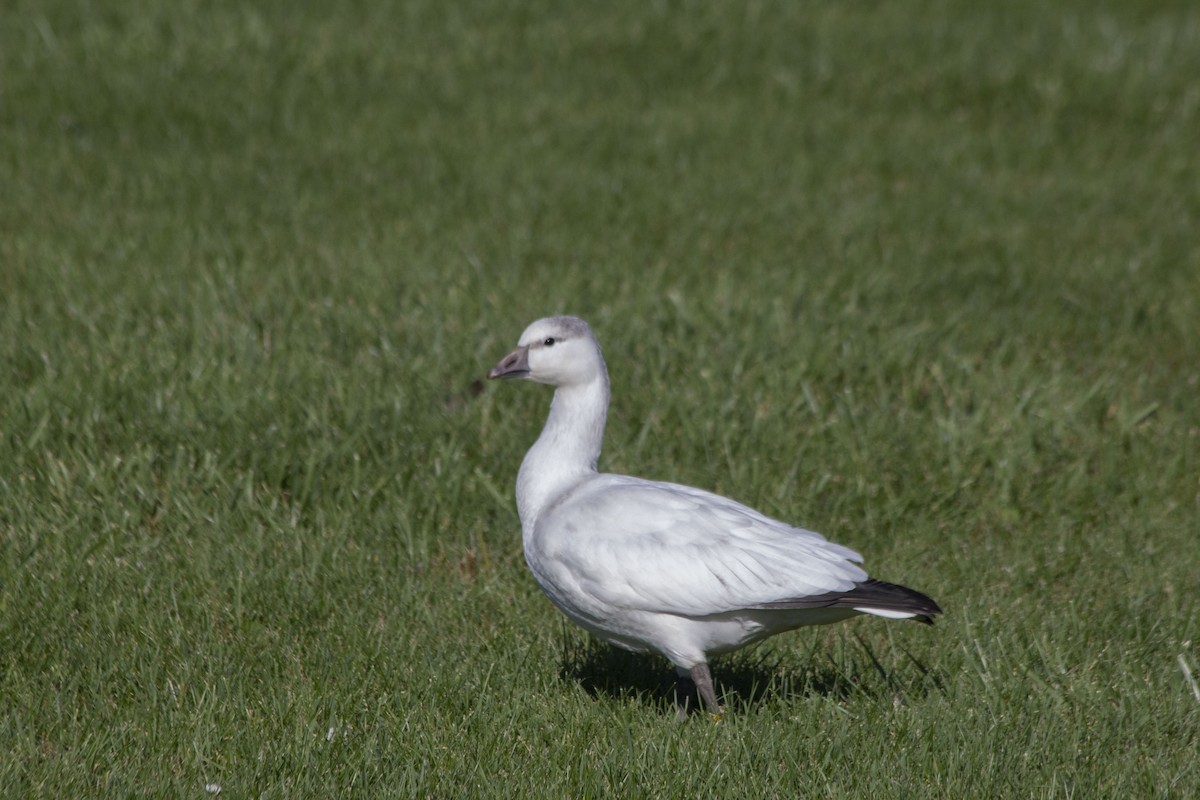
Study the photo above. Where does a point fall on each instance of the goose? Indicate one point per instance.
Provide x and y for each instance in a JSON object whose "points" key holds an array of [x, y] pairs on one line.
{"points": [[659, 567]]}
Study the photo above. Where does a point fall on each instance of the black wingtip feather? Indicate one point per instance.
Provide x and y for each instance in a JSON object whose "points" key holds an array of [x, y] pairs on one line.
{"points": [[870, 594]]}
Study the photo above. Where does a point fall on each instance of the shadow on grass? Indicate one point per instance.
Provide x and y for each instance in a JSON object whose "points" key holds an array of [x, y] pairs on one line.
{"points": [[747, 678]]}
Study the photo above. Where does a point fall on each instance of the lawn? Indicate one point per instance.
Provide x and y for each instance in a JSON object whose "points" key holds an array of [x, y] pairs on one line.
{"points": [[921, 276]]}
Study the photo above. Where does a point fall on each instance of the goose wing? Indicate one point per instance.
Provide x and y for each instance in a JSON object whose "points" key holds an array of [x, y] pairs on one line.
{"points": [[651, 546]]}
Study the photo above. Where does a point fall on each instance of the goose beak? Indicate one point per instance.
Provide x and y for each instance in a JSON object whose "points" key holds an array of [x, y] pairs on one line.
{"points": [[513, 365]]}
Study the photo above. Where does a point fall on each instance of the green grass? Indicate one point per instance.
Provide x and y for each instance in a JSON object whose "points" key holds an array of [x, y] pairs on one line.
{"points": [[923, 277]]}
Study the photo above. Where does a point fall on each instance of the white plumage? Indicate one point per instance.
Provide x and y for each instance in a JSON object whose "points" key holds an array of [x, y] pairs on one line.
{"points": [[660, 567]]}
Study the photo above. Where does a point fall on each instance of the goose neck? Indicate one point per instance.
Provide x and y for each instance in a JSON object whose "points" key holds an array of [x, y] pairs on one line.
{"points": [[567, 449]]}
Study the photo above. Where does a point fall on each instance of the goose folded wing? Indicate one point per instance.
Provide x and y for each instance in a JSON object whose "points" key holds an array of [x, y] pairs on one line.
{"points": [[662, 547]]}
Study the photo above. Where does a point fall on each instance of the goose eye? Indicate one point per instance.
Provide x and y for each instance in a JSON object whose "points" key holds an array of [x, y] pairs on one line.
{"points": [[549, 341]]}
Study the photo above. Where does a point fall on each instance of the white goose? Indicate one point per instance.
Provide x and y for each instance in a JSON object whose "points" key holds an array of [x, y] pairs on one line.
{"points": [[659, 567]]}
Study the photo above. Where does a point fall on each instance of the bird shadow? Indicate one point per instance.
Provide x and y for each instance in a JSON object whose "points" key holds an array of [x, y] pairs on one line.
{"points": [[750, 678]]}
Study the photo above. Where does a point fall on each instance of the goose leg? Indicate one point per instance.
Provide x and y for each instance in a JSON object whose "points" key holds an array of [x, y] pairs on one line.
{"points": [[702, 677]]}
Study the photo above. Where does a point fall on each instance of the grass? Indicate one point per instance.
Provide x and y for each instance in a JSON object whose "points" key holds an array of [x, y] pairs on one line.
{"points": [[923, 277]]}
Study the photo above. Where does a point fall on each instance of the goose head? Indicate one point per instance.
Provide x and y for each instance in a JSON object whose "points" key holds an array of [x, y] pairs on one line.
{"points": [[559, 351]]}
